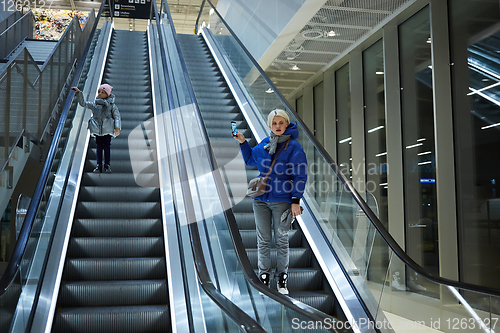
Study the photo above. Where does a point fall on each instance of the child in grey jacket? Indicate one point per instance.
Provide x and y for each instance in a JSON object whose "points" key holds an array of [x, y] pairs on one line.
{"points": [[104, 124]]}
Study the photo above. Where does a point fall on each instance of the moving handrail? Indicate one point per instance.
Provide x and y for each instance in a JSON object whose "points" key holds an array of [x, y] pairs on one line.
{"points": [[242, 257], [391, 242], [244, 321], [22, 241]]}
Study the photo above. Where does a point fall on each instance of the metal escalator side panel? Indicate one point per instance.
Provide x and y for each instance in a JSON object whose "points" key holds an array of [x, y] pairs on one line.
{"points": [[179, 310], [115, 265], [42, 321]]}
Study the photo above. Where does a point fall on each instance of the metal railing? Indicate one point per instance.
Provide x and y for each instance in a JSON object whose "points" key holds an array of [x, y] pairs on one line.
{"points": [[13, 30], [30, 96]]}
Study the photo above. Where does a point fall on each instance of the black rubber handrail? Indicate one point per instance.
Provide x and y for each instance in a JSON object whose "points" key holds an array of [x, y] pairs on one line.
{"points": [[22, 241], [243, 320], [391, 242], [198, 18]]}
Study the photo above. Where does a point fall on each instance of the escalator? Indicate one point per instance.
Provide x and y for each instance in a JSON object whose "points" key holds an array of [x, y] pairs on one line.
{"points": [[115, 272], [114, 277], [306, 282]]}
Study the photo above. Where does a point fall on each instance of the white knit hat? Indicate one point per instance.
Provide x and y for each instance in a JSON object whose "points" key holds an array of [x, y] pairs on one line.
{"points": [[276, 113]]}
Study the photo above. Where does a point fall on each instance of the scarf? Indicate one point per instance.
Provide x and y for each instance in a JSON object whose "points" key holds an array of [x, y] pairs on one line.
{"points": [[274, 140]]}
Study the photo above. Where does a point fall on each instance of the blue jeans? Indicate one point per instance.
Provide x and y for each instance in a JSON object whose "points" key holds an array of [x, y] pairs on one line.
{"points": [[267, 214]]}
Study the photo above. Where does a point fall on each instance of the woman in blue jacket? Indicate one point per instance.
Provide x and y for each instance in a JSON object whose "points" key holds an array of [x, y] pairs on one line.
{"points": [[286, 184]]}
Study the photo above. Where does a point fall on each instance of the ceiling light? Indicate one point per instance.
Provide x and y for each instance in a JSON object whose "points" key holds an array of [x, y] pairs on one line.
{"points": [[425, 153], [426, 162], [421, 139], [379, 73], [332, 33], [381, 154], [489, 126], [375, 129], [483, 89], [413, 146], [429, 40], [345, 140], [211, 12], [312, 33], [269, 90], [295, 68]]}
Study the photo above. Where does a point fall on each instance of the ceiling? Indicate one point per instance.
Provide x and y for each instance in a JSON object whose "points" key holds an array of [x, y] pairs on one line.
{"points": [[332, 30], [299, 54]]}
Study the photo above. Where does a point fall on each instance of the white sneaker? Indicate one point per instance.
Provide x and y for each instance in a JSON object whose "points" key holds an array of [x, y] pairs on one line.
{"points": [[265, 278], [282, 289]]}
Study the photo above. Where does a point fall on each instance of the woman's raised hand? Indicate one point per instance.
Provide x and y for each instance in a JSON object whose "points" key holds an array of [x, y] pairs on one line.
{"points": [[75, 89], [240, 137]]}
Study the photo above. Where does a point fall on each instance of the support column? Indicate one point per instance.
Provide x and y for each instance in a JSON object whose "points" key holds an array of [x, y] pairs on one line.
{"points": [[308, 108], [394, 137], [445, 150], [357, 121], [330, 114]]}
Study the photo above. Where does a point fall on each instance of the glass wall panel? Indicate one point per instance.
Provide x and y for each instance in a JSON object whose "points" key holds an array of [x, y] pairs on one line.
{"points": [[299, 107], [344, 157], [475, 49], [376, 151], [418, 145], [319, 113], [322, 182], [343, 100]]}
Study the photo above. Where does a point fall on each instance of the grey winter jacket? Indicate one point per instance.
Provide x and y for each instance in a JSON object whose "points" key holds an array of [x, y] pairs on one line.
{"points": [[105, 113]]}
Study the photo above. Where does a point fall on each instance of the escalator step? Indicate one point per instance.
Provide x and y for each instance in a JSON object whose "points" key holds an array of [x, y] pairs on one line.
{"points": [[299, 257], [113, 293], [125, 154], [129, 319], [116, 179], [96, 269], [150, 167], [105, 247], [94, 193], [117, 227], [131, 210], [317, 299]]}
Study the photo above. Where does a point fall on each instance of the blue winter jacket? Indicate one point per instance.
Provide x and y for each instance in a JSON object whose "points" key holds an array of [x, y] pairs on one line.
{"points": [[289, 175]]}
